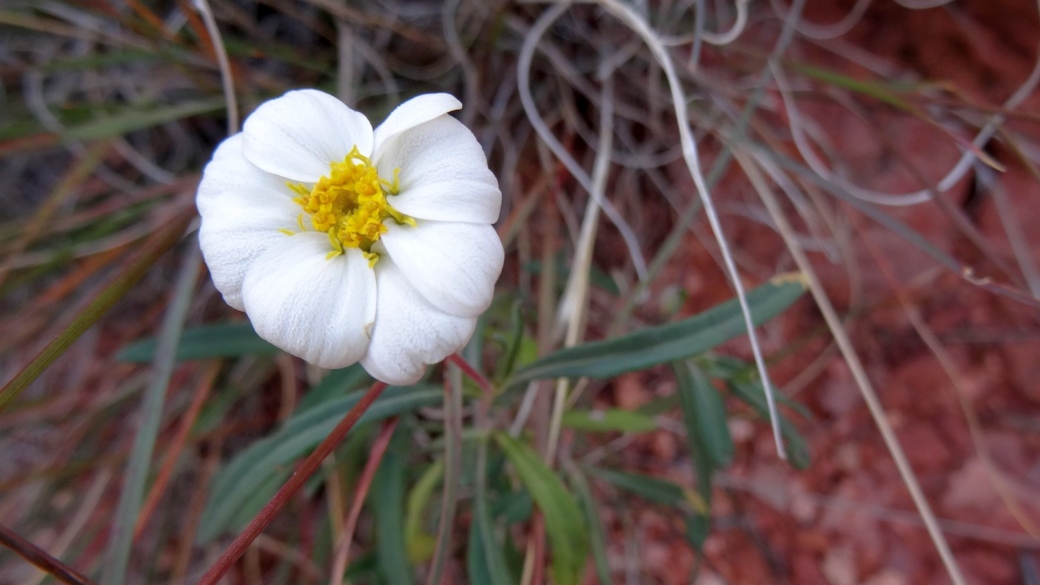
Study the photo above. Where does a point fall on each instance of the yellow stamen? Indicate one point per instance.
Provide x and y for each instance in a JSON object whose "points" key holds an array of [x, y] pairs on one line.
{"points": [[350, 205]]}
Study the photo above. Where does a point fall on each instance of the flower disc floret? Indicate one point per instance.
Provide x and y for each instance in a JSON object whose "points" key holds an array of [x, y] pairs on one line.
{"points": [[350, 204]]}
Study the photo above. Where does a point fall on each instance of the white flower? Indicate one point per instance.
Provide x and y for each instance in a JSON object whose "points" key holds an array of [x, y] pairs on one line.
{"points": [[342, 244]]}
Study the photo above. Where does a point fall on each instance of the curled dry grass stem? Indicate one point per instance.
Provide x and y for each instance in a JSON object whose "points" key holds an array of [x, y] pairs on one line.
{"points": [[531, 42], [690, 155]]}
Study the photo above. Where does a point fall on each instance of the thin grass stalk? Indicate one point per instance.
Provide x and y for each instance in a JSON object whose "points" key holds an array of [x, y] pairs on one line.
{"points": [[574, 304], [136, 268], [859, 374], [452, 471], [193, 513], [296, 481], [88, 505], [375, 457], [1013, 230], [130, 499], [39, 557], [173, 451], [69, 185], [226, 80], [949, 367]]}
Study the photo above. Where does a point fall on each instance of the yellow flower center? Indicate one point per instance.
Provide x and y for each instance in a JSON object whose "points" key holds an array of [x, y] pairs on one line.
{"points": [[349, 204]]}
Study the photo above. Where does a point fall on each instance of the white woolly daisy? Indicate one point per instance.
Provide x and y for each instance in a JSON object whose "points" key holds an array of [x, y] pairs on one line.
{"points": [[342, 244]]}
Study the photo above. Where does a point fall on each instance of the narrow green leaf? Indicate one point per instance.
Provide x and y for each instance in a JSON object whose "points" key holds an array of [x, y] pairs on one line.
{"points": [[485, 559], [136, 475], [564, 525], [665, 343], [700, 443], [513, 507], [335, 384], [704, 413], [885, 91], [751, 393], [597, 536], [221, 340], [301, 433], [611, 419], [698, 526], [420, 543], [507, 362], [137, 118], [651, 489], [388, 508]]}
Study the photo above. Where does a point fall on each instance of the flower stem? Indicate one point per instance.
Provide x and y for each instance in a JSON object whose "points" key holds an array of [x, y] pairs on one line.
{"points": [[484, 383], [309, 465], [41, 559]]}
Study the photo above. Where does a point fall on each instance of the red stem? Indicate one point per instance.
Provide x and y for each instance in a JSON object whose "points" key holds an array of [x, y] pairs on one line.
{"points": [[484, 383], [309, 465], [41, 559]]}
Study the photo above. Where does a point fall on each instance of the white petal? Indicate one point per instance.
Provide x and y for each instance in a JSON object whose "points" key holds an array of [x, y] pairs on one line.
{"points": [[444, 174], [230, 171], [419, 109], [452, 265], [409, 331], [237, 228], [300, 134], [242, 209], [316, 309]]}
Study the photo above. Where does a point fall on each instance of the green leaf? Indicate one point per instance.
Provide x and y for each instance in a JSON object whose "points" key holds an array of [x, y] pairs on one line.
{"points": [[694, 508], [751, 392], [485, 559], [709, 447], [704, 413], [698, 526], [419, 542], [611, 419], [222, 340], [507, 362], [513, 507], [302, 432], [139, 118], [564, 524], [597, 536], [665, 343], [335, 383], [388, 508], [651, 489]]}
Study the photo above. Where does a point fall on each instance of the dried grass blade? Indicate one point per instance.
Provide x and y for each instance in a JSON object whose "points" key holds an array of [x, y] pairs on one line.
{"points": [[130, 499], [855, 366], [136, 268]]}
